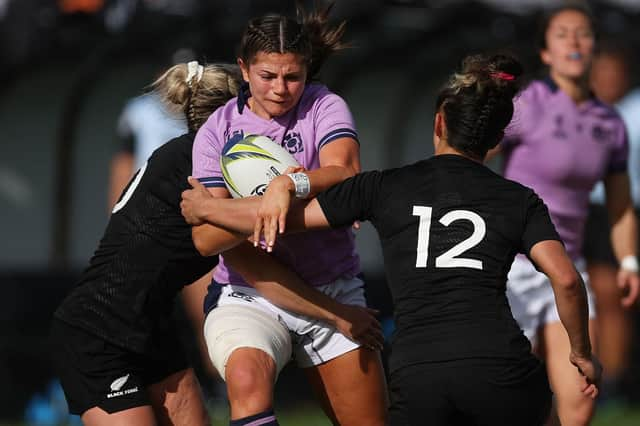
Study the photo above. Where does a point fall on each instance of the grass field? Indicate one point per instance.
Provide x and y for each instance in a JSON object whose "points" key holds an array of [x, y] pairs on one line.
{"points": [[310, 414]]}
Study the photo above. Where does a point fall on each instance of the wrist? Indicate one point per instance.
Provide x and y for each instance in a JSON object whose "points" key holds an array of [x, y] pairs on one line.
{"points": [[629, 263], [301, 184], [283, 182], [203, 209], [582, 352], [332, 313]]}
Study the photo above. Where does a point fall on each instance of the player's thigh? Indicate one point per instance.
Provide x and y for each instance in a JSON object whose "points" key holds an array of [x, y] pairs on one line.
{"points": [[564, 378], [97, 374], [352, 387], [235, 326], [193, 297], [497, 392], [419, 395], [603, 280], [178, 400], [137, 416]]}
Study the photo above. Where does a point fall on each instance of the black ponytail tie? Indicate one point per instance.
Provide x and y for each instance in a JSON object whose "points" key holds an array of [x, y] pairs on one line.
{"points": [[243, 96]]}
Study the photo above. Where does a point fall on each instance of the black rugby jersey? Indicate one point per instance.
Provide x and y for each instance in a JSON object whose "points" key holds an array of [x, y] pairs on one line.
{"points": [[449, 229], [145, 257]]}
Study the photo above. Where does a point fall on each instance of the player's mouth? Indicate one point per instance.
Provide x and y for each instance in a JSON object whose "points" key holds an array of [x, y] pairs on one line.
{"points": [[575, 56], [280, 103]]}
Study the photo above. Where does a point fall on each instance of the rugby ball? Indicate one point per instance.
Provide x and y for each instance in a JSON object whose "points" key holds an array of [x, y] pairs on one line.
{"points": [[251, 163]]}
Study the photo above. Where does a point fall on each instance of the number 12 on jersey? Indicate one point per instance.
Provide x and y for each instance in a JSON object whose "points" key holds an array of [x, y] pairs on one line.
{"points": [[449, 259]]}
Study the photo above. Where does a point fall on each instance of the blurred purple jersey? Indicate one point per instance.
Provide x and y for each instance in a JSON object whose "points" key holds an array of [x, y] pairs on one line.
{"points": [[562, 150], [319, 257]]}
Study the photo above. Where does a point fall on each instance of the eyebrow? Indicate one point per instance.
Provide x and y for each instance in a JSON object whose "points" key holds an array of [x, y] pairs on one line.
{"points": [[289, 74]]}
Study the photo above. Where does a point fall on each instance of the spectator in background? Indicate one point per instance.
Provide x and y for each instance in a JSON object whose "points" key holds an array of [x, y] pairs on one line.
{"points": [[611, 80]]}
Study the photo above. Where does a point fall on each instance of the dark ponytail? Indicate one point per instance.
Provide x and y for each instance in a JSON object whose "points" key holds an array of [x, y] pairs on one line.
{"points": [[477, 102], [310, 36]]}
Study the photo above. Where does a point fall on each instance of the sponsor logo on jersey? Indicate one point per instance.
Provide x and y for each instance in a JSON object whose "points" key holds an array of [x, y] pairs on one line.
{"points": [[118, 384], [292, 142], [559, 131], [602, 135], [243, 296]]}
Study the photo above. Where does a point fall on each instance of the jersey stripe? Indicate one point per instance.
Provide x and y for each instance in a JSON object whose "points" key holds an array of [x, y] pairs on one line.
{"points": [[338, 133], [212, 182]]}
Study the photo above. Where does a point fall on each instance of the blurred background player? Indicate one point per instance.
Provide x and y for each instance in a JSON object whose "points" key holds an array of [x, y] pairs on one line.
{"points": [[612, 77], [144, 125], [561, 142], [280, 57]]}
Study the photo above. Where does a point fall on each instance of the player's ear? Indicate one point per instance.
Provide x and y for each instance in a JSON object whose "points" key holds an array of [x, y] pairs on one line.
{"points": [[545, 56], [244, 68], [438, 128]]}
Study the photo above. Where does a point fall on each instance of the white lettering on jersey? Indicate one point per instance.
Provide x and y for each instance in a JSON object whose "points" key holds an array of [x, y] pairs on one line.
{"points": [[449, 259], [120, 204]]}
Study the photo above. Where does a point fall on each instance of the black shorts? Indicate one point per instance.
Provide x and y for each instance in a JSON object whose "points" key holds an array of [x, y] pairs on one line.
{"points": [[470, 392], [96, 373], [597, 237]]}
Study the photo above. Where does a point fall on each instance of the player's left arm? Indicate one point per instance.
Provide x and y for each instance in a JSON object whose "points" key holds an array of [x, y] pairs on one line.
{"points": [[336, 142], [339, 160], [343, 203], [200, 207], [624, 232], [287, 290]]}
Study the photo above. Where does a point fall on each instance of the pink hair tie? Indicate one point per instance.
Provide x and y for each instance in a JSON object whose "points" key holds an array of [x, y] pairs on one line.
{"points": [[503, 76]]}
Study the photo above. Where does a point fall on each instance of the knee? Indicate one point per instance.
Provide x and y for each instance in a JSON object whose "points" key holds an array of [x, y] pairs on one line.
{"points": [[250, 373]]}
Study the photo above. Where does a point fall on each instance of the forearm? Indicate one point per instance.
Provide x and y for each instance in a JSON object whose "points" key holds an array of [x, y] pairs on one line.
{"points": [[624, 228], [121, 170], [279, 285], [236, 215], [210, 240], [571, 302], [239, 215], [570, 295], [325, 177], [624, 232]]}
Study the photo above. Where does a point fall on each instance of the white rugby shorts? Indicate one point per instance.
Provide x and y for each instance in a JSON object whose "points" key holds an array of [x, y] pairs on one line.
{"points": [[531, 296], [243, 318]]}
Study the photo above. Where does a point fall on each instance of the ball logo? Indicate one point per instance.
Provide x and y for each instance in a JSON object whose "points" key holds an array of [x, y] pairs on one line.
{"points": [[259, 190], [249, 165]]}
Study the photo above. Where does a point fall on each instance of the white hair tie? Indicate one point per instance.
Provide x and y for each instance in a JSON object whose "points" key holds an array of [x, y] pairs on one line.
{"points": [[194, 70]]}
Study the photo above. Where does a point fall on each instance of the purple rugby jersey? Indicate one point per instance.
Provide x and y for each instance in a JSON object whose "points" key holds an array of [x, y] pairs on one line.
{"points": [[319, 257], [562, 150]]}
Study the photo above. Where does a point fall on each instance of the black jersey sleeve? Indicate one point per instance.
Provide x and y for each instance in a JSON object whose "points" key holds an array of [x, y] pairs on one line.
{"points": [[354, 199], [538, 226]]}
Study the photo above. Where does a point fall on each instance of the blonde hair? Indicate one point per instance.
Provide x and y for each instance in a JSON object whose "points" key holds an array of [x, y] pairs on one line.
{"points": [[198, 97]]}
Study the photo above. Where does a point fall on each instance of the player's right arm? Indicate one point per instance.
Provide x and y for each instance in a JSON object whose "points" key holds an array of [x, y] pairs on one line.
{"points": [[571, 300], [544, 247], [287, 290], [277, 283], [210, 239]]}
